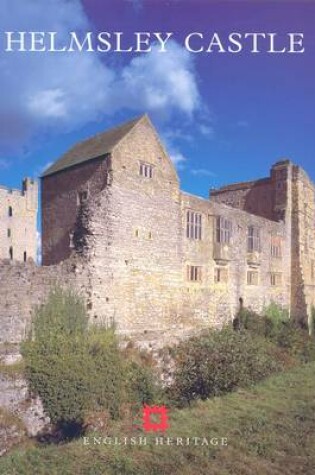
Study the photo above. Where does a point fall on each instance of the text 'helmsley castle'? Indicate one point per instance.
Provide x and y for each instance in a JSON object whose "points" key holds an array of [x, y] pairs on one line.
{"points": [[148, 256]]}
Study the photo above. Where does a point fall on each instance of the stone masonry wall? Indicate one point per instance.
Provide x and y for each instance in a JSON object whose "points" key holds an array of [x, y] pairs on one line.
{"points": [[138, 253], [256, 197], [18, 227], [23, 286], [61, 206], [126, 251], [303, 245], [217, 302], [135, 240]]}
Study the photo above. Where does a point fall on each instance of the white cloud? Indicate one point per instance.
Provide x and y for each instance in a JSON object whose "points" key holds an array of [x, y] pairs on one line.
{"points": [[159, 82], [202, 172], [47, 92], [49, 103], [177, 133], [206, 130], [178, 158]]}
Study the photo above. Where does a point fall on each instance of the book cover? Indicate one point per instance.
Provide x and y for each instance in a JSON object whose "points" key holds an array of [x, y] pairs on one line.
{"points": [[157, 238]]}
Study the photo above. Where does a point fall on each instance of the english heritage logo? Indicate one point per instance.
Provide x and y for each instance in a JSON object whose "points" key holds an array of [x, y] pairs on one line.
{"points": [[150, 425], [154, 419]]}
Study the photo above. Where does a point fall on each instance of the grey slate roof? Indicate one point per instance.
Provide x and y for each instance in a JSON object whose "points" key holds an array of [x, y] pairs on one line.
{"points": [[97, 146]]}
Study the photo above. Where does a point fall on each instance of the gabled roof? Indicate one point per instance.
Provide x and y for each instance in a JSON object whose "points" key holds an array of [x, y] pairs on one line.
{"points": [[97, 146]]}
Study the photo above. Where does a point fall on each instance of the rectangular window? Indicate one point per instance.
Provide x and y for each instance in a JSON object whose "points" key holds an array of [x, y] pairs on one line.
{"points": [[146, 170], [253, 239], [252, 277], [275, 278], [220, 275], [82, 197], [276, 247], [223, 230], [194, 273], [9, 232], [193, 226]]}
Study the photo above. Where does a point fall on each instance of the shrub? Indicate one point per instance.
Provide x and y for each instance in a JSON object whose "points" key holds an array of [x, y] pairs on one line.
{"points": [[277, 314], [106, 378], [142, 388], [220, 361], [75, 369], [268, 324], [142, 380], [55, 357], [277, 327], [248, 320], [72, 368], [296, 341]]}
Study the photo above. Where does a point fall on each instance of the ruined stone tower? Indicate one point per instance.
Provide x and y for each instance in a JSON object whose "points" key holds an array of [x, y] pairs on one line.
{"points": [[18, 221]]}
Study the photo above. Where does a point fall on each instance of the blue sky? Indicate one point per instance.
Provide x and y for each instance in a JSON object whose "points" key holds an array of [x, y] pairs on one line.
{"points": [[224, 118]]}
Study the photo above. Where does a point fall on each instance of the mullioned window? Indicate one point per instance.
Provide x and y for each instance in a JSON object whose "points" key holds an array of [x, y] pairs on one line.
{"points": [[223, 230], [253, 239], [193, 225], [194, 273]]}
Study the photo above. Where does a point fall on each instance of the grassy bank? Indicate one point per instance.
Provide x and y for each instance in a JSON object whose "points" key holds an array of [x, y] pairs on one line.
{"points": [[270, 430]]}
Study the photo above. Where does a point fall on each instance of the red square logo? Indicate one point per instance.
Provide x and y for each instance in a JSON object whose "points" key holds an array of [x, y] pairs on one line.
{"points": [[152, 426]]}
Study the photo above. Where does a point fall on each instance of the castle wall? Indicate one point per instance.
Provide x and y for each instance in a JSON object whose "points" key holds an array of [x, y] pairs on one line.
{"points": [[26, 285], [18, 226], [135, 239], [255, 197], [138, 251], [218, 301], [303, 245], [120, 230], [62, 199]]}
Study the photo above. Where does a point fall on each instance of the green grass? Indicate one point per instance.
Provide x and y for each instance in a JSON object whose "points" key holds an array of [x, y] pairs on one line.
{"points": [[8, 419], [15, 370], [270, 429]]}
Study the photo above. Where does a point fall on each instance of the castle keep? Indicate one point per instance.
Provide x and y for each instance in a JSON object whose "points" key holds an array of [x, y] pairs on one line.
{"points": [[156, 260], [18, 221]]}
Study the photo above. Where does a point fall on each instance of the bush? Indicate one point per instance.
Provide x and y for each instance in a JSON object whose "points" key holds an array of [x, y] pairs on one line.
{"points": [[143, 385], [268, 324], [296, 341], [276, 325], [75, 369], [276, 314], [220, 361], [107, 378], [55, 358], [71, 368], [248, 320]]}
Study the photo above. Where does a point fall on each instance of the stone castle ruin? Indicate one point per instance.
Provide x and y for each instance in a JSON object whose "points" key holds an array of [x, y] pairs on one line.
{"points": [[149, 257], [18, 216]]}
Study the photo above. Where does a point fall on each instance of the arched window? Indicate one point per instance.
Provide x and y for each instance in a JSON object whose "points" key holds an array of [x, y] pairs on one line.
{"points": [[11, 252], [10, 211], [24, 256]]}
